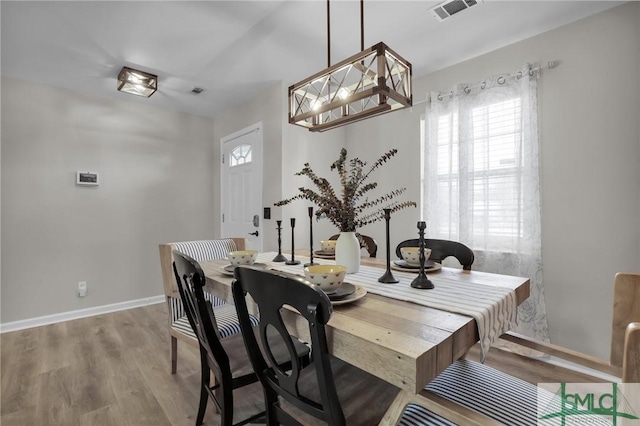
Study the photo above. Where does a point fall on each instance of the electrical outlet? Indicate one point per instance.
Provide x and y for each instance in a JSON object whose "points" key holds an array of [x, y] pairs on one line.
{"points": [[82, 289]]}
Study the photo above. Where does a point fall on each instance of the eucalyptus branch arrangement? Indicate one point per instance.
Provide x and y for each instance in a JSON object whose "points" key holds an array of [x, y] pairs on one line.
{"points": [[353, 209]]}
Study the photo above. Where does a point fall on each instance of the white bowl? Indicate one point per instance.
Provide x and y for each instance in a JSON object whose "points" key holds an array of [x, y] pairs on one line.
{"points": [[242, 257], [412, 255], [328, 246], [327, 277]]}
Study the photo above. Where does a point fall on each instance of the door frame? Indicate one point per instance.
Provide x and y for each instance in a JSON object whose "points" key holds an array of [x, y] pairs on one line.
{"points": [[259, 167]]}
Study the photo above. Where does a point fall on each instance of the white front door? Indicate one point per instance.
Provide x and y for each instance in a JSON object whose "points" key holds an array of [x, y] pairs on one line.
{"points": [[241, 180]]}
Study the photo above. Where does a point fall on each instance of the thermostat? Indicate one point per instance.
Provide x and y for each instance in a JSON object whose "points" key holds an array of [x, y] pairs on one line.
{"points": [[87, 178]]}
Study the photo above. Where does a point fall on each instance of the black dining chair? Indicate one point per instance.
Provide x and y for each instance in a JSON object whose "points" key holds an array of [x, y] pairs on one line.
{"points": [[328, 391], [441, 249], [366, 242], [226, 357], [333, 392]]}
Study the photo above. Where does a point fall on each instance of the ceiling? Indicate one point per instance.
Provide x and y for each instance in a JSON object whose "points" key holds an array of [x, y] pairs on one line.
{"points": [[234, 49]]}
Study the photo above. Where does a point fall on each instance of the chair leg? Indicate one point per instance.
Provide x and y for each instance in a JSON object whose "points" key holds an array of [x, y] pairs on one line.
{"points": [[174, 354], [226, 414], [204, 394]]}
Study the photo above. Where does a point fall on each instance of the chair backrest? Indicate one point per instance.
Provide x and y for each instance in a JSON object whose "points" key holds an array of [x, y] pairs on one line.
{"points": [[191, 280], [441, 249], [626, 310], [198, 250], [366, 242], [631, 358], [273, 291]]}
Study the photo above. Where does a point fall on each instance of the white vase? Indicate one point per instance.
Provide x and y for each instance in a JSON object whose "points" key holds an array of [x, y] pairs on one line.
{"points": [[348, 252]]}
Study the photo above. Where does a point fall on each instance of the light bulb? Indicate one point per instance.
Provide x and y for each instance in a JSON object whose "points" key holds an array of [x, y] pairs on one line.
{"points": [[343, 93], [135, 79]]}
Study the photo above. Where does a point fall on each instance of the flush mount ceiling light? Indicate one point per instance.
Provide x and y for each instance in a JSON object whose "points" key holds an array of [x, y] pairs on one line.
{"points": [[375, 81], [137, 82]]}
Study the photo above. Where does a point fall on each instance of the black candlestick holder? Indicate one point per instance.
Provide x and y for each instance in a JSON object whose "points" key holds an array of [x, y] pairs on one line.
{"points": [[422, 281], [387, 277], [293, 260], [311, 262], [279, 257]]}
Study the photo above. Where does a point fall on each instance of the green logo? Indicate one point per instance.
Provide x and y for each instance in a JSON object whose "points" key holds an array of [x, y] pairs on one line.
{"points": [[587, 407]]}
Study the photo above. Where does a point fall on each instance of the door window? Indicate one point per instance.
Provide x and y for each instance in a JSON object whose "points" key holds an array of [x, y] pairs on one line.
{"points": [[240, 155]]}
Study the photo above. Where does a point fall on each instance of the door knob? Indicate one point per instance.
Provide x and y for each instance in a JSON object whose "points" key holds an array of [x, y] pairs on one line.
{"points": [[254, 233]]}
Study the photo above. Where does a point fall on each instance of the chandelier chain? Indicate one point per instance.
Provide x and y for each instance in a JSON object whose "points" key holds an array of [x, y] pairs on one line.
{"points": [[328, 33], [361, 25]]}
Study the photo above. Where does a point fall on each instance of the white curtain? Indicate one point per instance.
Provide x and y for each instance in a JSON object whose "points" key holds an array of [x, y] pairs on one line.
{"points": [[482, 183]]}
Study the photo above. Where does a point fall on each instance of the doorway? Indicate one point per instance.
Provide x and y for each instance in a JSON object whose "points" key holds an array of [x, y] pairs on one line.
{"points": [[241, 185]]}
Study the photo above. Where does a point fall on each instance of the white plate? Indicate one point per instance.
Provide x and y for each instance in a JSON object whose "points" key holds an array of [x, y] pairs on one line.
{"points": [[356, 295]]}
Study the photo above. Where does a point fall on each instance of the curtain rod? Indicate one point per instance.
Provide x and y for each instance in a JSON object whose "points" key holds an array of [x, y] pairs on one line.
{"points": [[549, 65]]}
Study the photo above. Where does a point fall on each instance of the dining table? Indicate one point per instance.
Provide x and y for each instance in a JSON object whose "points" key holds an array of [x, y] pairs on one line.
{"points": [[403, 335]]}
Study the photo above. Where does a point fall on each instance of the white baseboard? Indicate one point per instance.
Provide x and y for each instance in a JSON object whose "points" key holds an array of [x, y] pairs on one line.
{"points": [[80, 313], [582, 369]]}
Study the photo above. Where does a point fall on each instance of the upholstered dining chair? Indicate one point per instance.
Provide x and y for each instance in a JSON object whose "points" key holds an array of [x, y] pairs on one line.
{"points": [[179, 327], [366, 242], [510, 400], [328, 391], [226, 357], [441, 249]]}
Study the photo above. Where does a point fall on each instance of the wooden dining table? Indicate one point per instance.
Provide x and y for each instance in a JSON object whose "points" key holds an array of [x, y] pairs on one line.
{"points": [[404, 343]]}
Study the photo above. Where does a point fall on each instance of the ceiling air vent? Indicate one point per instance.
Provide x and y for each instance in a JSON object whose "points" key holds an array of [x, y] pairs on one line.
{"points": [[449, 8]]}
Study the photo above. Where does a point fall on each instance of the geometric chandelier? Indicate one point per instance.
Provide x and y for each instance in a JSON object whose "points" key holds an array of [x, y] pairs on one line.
{"points": [[373, 82], [137, 82]]}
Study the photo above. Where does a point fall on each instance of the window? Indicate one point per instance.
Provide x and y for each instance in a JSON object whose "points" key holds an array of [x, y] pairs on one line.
{"points": [[240, 155], [478, 158], [481, 180], [492, 180]]}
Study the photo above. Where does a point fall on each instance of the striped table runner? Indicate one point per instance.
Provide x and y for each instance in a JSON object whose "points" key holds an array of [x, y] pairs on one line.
{"points": [[493, 308]]}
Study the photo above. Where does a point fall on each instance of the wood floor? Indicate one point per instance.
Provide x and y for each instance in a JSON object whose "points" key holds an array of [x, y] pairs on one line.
{"points": [[114, 369], [110, 369]]}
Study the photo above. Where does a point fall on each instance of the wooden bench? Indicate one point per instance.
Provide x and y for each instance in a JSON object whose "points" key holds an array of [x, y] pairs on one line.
{"points": [[504, 391]]}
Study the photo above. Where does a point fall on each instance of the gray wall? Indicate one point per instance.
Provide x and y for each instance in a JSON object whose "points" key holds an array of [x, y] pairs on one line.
{"points": [[266, 107], [300, 146], [55, 233], [286, 148], [590, 152]]}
